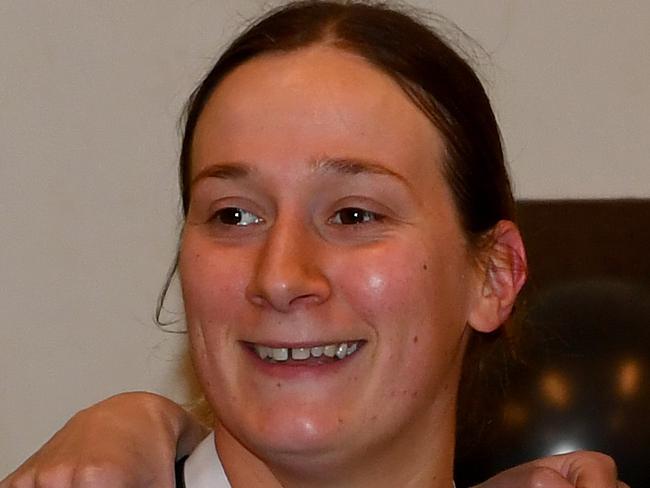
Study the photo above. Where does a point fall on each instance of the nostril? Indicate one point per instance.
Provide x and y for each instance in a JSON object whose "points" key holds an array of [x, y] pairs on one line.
{"points": [[307, 299], [302, 290], [257, 300], [284, 299]]}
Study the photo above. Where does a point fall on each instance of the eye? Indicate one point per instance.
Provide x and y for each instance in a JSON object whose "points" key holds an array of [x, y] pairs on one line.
{"points": [[237, 216], [353, 215]]}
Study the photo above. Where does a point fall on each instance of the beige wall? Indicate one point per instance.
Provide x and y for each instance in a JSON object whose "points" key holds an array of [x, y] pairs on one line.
{"points": [[89, 96]]}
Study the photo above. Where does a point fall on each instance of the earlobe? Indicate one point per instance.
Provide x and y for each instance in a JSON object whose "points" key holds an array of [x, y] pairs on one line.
{"points": [[502, 275]]}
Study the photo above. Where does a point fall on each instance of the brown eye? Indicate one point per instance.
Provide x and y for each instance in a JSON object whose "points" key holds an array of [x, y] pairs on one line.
{"points": [[236, 216], [353, 215]]}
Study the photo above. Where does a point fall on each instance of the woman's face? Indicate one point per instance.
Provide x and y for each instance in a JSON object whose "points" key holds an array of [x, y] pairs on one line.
{"points": [[320, 224]]}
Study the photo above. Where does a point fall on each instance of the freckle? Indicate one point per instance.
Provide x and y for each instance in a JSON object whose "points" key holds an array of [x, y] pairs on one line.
{"points": [[373, 418], [279, 385], [414, 394], [415, 339], [425, 267], [340, 421], [404, 392]]}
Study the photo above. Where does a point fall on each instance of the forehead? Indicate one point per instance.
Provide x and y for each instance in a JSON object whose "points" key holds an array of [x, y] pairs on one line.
{"points": [[283, 109]]}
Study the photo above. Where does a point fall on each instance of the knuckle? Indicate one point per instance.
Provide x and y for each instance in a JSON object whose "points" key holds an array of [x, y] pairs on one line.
{"points": [[543, 477], [605, 461], [57, 476], [95, 474]]}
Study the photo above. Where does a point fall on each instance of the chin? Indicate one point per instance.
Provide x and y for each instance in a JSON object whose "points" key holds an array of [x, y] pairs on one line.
{"points": [[298, 432]]}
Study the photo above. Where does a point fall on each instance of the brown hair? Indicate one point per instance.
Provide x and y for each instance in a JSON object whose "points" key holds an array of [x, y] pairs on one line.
{"points": [[438, 80]]}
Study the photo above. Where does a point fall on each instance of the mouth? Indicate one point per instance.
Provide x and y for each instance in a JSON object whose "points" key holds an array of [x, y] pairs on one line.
{"points": [[318, 354]]}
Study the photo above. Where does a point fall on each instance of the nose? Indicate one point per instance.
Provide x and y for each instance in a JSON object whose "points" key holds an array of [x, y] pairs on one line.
{"points": [[288, 274]]}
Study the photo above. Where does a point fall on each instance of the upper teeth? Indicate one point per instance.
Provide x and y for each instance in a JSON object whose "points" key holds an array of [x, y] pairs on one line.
{"points": [[340, 351]]}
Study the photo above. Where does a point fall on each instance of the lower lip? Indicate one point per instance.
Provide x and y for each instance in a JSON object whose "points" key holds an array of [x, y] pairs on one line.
{"points": [[300, 369]]}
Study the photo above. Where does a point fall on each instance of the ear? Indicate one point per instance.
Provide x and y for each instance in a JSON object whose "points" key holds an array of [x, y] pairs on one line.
{"points": [[501, 276]]}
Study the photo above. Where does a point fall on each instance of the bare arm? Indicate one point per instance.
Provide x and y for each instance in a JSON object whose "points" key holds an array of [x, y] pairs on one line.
{"points": [[129, 440]]}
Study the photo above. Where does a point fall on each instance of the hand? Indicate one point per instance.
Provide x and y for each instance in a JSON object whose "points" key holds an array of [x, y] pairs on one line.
{"points": [[129, 440], [580, 469]]}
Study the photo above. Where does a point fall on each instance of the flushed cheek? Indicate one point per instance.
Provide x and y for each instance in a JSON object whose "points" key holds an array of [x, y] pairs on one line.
{"points": [[212, 288], [382, 285], [413, 305], [409, 353], [210, 282]]}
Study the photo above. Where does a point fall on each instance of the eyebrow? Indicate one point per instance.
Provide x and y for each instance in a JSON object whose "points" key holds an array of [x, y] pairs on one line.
{"points": [[341, 166], [223, 171], [354, 166]]}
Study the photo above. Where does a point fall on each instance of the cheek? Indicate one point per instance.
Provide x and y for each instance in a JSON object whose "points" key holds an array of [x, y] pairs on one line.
{"points": [[398, 283], [414, 303], [389, 294], [210, 282], [212, 285], [414, 299]]}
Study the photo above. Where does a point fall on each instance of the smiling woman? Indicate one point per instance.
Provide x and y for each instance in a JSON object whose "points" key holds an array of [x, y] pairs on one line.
{"points": [[299, 275], [348, 231], [347, 228]]}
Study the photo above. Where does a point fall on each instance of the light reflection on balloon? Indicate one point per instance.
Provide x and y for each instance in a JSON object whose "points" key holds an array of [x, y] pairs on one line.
{"points": [[563, 447], [629, 378], [556, 389]]}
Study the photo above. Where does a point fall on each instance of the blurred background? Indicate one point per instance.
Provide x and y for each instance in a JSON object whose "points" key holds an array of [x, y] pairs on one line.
{"points": [[90, 94], [580, 374]]}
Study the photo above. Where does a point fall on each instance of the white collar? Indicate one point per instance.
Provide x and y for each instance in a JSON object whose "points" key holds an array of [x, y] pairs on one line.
{"points": [[203, 468]]}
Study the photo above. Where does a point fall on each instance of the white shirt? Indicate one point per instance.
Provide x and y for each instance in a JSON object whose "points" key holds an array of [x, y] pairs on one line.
{"points": [[203, 468]]}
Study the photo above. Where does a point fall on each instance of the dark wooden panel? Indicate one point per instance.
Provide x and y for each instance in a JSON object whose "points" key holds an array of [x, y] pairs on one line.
{"points": [[584, 239]]}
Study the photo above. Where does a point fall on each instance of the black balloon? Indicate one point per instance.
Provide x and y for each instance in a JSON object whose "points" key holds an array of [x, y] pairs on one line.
{"points": [[583, 382]]}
